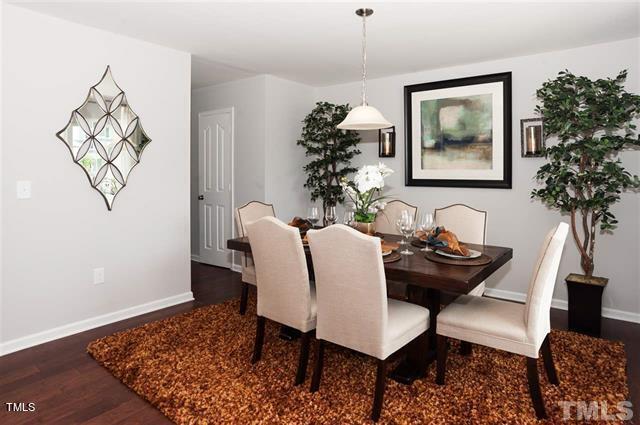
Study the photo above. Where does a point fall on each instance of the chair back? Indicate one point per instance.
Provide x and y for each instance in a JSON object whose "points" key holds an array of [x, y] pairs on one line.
{"points": [[248, 213], [284, 293], [387, 218], [543, 280], [350, 288], [469, 224]]}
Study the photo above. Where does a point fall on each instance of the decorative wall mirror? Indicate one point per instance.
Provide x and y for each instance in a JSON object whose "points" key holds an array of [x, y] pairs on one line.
{"points": [[105, 138]]}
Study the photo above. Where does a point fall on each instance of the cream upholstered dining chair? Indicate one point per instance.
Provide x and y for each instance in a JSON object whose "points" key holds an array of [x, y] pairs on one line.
{"points": [[284, 292], [246, 214], [517, 328], [353, 308], [387, 218], [469, 225]]}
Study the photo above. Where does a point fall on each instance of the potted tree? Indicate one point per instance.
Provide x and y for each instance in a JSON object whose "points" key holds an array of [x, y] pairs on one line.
{"points": [[592, 121], [331, 151]]}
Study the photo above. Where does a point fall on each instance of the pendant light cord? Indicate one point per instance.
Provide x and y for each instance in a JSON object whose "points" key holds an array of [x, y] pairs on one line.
{"points": [[364, 59]]}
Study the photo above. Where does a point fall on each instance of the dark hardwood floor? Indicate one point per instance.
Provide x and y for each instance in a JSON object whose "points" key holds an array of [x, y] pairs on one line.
{"points": [[68, 386]]}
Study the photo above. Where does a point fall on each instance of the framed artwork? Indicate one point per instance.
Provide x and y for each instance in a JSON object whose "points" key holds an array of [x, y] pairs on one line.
{"points": [[531, 138], [458, 132]]}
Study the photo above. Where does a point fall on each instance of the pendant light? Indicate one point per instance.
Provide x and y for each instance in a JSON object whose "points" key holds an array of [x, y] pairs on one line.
{"points": [[364, 117]]}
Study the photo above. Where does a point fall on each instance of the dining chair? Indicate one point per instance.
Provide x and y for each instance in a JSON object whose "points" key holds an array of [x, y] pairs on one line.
{"points": [[387, 218], [353, 308], [517, 328], [285, 294], [469, 225], [246, 214]]}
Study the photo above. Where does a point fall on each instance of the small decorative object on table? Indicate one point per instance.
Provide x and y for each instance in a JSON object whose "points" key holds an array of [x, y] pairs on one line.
{"points": [[312, 215], [364, 192], [330, 215], [425, 226], [407, 227], [532, 140], [302, 224], [446, 243]]}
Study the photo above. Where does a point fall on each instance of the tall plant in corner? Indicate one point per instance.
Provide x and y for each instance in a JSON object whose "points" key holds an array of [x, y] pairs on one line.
{"points": [[593, 120], [331, 151]]}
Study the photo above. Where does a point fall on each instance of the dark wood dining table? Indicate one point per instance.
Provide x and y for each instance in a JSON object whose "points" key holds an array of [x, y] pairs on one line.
{"points": [[426, 281]]}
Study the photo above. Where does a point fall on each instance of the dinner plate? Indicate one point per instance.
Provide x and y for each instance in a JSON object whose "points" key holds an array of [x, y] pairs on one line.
{"points": [[472, 254], [385, 253]]}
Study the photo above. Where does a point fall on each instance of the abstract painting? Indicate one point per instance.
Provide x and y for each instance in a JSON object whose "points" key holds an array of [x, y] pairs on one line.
{"points": [[459, 132]]}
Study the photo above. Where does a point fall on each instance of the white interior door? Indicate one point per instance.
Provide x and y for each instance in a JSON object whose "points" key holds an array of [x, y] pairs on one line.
{"points": [[215, 129]]}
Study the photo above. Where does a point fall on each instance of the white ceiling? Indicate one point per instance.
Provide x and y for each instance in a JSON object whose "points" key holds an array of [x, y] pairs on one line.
{"points": [[318, 43]]}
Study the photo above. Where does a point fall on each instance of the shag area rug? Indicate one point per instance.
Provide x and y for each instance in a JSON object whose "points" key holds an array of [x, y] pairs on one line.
{"points": [[195, 368]]}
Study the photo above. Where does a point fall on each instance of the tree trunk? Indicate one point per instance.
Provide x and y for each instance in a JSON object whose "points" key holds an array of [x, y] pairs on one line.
{"points": [[587, 265], [586, 252]]}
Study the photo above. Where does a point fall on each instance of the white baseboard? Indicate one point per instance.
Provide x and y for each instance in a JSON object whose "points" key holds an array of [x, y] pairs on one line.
{"points": [[610, 313], [93, 322], [195, 258], [236, 268]]}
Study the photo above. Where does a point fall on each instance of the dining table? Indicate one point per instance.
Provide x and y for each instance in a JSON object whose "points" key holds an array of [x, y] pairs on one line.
{"points": [[426, 281]]}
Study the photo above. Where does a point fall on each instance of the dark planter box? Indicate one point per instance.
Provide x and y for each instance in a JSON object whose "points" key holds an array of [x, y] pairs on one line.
{"points": [[585, 303]]}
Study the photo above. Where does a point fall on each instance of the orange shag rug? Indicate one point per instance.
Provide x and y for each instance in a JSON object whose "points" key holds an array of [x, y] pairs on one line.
{"points": [[195, 368]]}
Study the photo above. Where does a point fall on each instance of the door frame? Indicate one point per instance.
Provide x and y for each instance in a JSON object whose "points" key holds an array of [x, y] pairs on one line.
{"points": [[230, 110]]}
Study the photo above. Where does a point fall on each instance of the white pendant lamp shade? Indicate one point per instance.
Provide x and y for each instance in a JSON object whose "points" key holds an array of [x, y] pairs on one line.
{"points": [[364, 117]]}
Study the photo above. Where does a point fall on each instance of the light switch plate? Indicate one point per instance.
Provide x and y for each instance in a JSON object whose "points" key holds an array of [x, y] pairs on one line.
{"points": [[23, 189], [98, 276]]}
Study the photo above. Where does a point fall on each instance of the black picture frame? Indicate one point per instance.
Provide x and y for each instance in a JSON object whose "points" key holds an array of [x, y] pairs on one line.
{"points": [[506, 181]]}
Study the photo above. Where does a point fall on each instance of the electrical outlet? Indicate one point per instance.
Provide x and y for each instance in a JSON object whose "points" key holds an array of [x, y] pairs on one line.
{"points": [[23, 189], [98, 276]]}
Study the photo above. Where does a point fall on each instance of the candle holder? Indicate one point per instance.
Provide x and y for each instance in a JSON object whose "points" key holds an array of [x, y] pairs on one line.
{"points": [[387, 142], [532, 138]]}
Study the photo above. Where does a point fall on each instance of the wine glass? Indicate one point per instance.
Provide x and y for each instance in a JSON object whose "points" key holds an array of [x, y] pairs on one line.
{"points": [[330, 215], [426, 225], [407, 227], [349, 218], [312, 215], [403, 214]]}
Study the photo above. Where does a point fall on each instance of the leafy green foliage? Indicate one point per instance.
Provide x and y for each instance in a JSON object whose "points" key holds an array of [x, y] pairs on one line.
{"points": [[592, 121], [331, 151]]}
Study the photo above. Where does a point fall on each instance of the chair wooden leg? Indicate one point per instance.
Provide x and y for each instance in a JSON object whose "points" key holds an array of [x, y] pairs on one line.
{"points": [[244, 296], [442, 359], [534, 388], [378, 397], [552, 375], [257, 348], [317, 368], [465, 348], [303, 360]]}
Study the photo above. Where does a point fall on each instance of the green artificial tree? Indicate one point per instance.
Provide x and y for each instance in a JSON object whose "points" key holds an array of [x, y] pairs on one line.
{"points": [[592, 120], [331, 151]]}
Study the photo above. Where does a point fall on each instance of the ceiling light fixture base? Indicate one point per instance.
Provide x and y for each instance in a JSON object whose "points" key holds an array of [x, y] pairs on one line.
{"points": [[364, 12]]}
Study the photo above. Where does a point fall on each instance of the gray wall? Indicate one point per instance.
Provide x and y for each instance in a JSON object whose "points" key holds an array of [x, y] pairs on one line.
{"points": [[247, 97], [268, 122], [53, 241], [515, 220], [287, 105]]}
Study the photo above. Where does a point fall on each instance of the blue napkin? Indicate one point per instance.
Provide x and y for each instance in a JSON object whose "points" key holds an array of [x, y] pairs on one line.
{"points": [[433, 241]]}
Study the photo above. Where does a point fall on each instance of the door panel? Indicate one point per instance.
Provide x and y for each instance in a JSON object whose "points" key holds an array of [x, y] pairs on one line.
{"points": [[215, 141]]}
